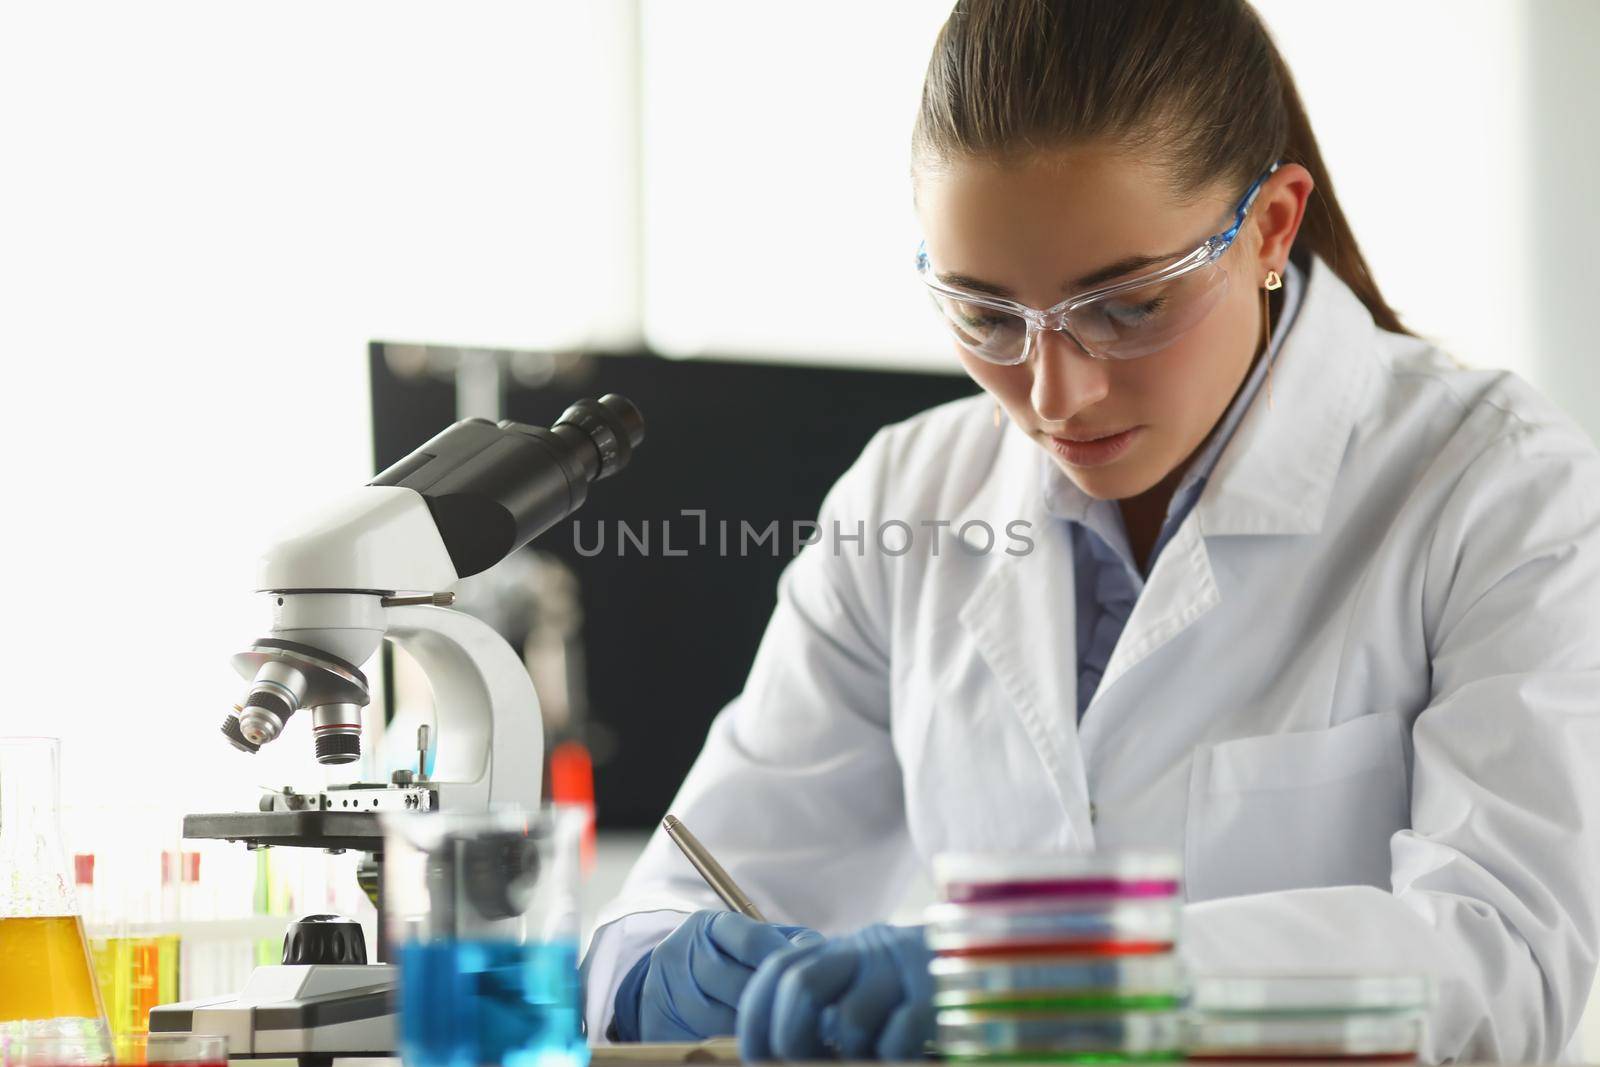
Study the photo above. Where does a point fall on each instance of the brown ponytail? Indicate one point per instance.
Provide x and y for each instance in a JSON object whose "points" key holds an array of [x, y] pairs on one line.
{"points": [[1324, 230], [1199, 81]]}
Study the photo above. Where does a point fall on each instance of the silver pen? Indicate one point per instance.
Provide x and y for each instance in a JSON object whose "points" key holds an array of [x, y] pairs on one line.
{"points": [[717, 878]]}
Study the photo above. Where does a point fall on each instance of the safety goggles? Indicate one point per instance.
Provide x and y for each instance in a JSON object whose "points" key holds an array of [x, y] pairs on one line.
{"points": [[1124, 320]]}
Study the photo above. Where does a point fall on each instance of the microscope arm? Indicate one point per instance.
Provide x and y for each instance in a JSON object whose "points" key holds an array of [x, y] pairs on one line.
{"points": [[492, 758]]}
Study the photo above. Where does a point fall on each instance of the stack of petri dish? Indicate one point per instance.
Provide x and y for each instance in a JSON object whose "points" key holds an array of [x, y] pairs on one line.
{"points": [[1365, 1018], [1066, 958]]}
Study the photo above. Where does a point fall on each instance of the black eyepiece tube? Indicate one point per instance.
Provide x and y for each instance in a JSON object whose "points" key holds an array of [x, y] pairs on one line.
{"points": [[492, 489], [612, 424]]}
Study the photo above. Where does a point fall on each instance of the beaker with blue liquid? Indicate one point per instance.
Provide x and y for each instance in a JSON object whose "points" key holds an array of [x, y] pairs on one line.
{"points": [[482, 914]]}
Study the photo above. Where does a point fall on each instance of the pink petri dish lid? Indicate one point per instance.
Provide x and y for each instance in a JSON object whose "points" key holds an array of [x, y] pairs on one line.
{"points": [[976, 877]]}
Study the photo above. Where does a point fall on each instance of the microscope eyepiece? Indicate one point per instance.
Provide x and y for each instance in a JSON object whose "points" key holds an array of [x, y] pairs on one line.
{"points": [[613, 424]]}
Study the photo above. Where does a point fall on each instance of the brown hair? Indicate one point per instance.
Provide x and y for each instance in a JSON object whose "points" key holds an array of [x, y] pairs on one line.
{"points": [[1199, 81]]}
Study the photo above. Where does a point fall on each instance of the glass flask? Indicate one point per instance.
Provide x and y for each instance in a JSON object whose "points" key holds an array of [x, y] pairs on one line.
{"points": [[481, 910], [47, 985]]}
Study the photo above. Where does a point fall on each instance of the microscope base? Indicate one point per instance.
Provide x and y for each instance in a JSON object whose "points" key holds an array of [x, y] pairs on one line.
{"points": [[307, 1011]]}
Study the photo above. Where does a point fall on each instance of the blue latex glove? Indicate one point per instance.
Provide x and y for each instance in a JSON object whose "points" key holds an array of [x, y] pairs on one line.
{"points": [[859, 997], [688, 986]]}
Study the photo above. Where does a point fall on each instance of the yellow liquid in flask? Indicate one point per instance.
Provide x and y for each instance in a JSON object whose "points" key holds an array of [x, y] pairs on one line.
{"points": [[45, 971]]}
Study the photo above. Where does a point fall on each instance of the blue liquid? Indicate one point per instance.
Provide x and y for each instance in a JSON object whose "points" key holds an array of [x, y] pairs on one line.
{"points": [[480, 1003]]}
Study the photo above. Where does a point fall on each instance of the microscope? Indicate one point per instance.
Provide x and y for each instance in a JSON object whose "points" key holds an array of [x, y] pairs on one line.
{"points": [[375, 566]]}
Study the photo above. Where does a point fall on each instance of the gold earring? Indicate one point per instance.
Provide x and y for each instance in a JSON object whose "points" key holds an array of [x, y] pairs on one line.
{"points": [[997, 415], [1272, 283]]}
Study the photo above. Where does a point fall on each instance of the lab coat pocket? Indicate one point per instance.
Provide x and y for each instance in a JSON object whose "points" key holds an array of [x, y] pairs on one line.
{"points": [[1292, 810]]}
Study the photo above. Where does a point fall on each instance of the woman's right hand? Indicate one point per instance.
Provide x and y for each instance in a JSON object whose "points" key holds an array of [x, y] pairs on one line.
{"points": [[692, 980]]}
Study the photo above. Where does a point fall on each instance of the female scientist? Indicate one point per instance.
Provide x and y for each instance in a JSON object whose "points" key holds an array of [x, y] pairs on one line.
{"points": [[1226, 562]]}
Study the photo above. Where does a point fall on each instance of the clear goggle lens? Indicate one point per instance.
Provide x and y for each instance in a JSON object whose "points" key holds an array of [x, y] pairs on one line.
{"points": [[1121, 325]]}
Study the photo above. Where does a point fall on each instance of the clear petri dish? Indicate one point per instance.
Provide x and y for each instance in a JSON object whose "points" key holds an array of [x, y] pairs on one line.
{"points": [[1164, 1056], [1046, 927], [1125, 983], [1379, 1036], [1257, 994], [963, 1034], [975, 877]]}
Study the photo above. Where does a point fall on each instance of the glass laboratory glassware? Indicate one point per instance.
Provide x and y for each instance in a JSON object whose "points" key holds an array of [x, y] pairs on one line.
{"points": [[53, 1050], [126, 1050], [47, 983], [129, 922], [481, 910], [1367, 1018]]}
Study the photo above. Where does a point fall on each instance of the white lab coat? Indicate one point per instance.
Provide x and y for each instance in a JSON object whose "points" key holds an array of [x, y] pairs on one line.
{"points": [[1360, 693]]}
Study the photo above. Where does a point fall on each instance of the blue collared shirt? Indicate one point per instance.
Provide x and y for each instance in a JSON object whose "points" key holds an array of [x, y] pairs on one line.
{"points": [[1108, 580]]}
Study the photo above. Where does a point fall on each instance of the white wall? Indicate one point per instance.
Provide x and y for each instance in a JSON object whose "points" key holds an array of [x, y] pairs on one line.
{"points": [[778, 218], [206, 211], [1560, 139]]}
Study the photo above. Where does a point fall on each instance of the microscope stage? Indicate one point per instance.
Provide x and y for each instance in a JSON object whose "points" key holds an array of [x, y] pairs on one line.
{"points": [[343, 816], [358, 830]]}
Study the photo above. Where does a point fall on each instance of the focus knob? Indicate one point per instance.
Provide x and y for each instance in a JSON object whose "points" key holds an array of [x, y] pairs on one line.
{"points": [[324, 939]]}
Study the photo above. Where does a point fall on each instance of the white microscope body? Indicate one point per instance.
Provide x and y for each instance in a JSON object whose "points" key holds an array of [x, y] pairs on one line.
{"points": [[375, 566], [378, 540]]}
